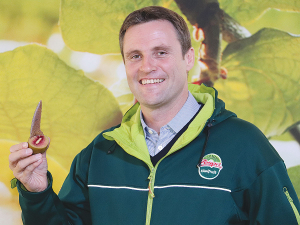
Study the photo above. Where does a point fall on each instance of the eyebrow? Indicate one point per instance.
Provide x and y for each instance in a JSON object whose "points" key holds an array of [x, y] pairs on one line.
{"points": [[156, 48], [163, 47]]}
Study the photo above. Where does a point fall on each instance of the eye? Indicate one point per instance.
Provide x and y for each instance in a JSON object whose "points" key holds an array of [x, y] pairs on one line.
{"points": [[136, 56], [161, 53]]}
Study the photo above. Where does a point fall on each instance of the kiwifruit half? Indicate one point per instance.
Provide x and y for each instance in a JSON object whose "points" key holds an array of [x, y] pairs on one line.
{"points": [[38, 144]]}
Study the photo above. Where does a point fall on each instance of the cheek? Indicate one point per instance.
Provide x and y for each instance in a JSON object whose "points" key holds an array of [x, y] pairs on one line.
{"points": [[131, 70], [131, 81]]}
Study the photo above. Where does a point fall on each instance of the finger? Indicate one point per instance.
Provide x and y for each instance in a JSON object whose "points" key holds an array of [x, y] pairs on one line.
{"points": [[30, 168], [44, 154], [48, 143], [18, 147], [18, 155], [24, 163], [25, 176]]}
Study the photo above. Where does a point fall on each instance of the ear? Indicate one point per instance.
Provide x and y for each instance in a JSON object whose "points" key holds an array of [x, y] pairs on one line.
{"points": [[189, 59]]}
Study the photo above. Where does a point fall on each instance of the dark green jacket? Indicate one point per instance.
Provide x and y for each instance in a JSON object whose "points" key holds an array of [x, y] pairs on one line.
{"points": [[241, 180]]}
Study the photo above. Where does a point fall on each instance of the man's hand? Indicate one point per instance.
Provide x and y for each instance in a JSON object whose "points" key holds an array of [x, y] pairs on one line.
{"points": [[29, 169]]}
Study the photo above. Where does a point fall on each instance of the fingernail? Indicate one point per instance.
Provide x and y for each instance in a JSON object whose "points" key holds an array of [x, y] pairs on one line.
{"points": [[25, 145]]}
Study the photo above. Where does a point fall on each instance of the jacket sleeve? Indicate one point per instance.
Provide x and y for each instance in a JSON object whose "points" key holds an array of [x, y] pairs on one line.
{"points": [[70, 206], [270, 199]]}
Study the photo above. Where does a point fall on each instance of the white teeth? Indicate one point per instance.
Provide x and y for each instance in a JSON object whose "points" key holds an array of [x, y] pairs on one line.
{"points": [[152, 81]]}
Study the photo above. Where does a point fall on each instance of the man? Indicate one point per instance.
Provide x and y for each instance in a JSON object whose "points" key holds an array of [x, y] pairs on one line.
{"points": [[178, 157]]}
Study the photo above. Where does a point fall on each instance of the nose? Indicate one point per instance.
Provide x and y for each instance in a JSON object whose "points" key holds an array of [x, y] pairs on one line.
{"points": [[148, 64]]}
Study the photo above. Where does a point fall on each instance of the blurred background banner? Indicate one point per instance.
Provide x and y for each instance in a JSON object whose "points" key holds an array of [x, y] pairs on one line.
{"points": [[66, 54]]}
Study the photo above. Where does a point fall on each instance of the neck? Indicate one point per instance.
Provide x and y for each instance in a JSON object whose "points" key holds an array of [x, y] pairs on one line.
{"points": [[155, 118]]}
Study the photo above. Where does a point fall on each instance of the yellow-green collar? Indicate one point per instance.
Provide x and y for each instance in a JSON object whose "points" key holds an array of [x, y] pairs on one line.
{"points": [[130, 135]]}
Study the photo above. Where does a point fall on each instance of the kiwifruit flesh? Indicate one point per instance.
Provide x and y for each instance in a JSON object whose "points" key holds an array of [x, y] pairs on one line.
{"points": [[38, 144]]}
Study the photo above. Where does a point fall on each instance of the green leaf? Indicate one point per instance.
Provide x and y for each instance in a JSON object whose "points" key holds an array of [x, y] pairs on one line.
{"points": [[246, 12], [75, 108], [28, 21], [111, 73], [110, 70], [123, 94], [93, 26], [294, 176], [286, 136], [263, 80]]}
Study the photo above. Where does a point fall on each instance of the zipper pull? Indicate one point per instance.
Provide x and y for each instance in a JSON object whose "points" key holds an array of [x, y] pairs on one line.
{"points": [[150, 186]]}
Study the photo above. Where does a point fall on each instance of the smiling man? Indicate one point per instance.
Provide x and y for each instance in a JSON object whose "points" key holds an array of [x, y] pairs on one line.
{"points": [[178, 157], [157, 70]]}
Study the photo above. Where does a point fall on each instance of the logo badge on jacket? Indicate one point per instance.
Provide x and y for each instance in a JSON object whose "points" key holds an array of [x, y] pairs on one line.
{"points": [[211, 166]]}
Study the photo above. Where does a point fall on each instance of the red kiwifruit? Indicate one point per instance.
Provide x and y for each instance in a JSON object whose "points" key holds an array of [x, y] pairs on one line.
{"points": [[38, 144]]}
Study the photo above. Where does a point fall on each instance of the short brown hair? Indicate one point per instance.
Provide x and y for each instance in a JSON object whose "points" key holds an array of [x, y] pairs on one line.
{"points": [[151, 13]]}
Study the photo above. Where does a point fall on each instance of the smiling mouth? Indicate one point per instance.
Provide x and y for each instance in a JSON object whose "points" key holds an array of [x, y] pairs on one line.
{"points": [[151, 81]]}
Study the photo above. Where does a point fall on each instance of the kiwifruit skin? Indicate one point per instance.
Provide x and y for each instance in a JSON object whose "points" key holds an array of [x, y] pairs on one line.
{"points": [[36, 149]]}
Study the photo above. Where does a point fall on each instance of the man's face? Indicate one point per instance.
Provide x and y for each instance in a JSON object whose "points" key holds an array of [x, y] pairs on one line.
{"points": [[156, 70]]}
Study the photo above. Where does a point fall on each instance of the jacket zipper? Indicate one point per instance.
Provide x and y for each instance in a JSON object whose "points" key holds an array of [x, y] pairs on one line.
{"points": [[151, 179], [150, 194], [285, 190]]}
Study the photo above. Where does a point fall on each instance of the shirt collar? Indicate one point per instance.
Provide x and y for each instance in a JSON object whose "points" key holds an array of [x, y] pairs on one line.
{"points": [[185, 114]]}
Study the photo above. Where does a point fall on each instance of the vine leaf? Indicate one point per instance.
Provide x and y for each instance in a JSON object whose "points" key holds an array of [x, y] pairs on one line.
{"points": [[123, 95], [246, 12], [75, 108], [28, 21], [111, 73], [93, 26], [263, 80]]}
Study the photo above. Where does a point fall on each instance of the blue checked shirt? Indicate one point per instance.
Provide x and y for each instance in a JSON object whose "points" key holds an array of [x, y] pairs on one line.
{"points": [[155, 142]]}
